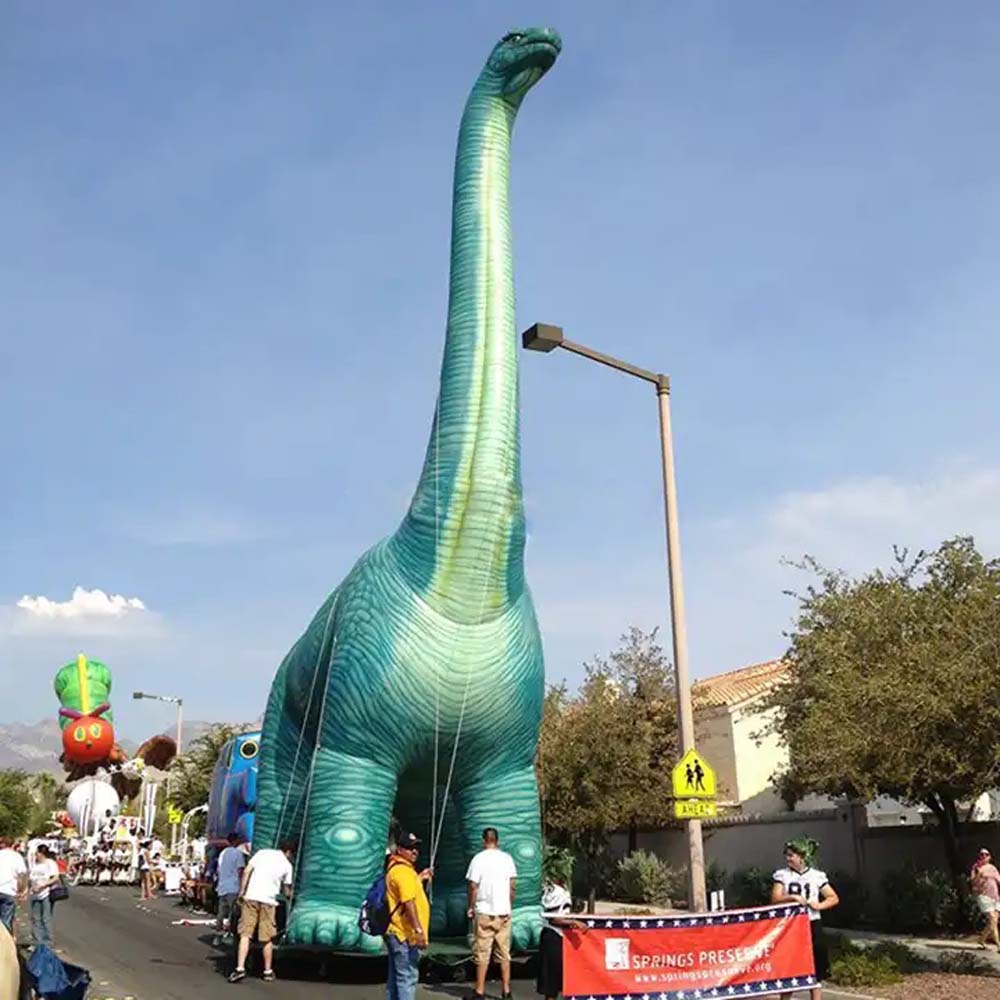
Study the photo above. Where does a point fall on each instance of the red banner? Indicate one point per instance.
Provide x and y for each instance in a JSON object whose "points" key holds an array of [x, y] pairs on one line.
{"points": [[733, 953]]}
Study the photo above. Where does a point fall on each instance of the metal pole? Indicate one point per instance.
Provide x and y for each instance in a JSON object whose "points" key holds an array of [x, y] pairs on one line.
{"points": [[685, 714], [180, 735]]}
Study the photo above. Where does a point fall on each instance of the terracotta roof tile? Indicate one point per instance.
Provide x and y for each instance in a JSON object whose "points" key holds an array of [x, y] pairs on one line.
{"points": [[738, 685]]}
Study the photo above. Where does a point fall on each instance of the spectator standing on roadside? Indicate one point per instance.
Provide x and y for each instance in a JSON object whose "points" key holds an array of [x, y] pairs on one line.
{"points": [[799, 882], [43, 875], [985, 881], [229, 875], [268, 873], [492, 882], [13, 882], [556, 904], [409, 918]]}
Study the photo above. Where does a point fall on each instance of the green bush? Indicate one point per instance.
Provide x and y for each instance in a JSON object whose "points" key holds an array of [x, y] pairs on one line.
{"points": [[924, 900], [856, 967], [557, 864], [853, 906], [644, 878], [748, 887]]}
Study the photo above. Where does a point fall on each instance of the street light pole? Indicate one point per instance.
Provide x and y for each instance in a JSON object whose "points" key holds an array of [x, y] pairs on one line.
{"points": [[545, 338], [179, 702]]}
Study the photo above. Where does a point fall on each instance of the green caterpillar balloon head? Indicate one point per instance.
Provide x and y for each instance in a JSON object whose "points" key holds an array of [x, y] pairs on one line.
{"points": [[518, 61]]}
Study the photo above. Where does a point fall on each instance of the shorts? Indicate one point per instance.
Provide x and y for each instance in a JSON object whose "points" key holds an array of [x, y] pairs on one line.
{"points": [[259, 917], [987, 905], [821, 957], [492, 937]]}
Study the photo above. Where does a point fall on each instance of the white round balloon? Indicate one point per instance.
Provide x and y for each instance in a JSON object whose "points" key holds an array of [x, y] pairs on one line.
{"points": [[89, 802]]}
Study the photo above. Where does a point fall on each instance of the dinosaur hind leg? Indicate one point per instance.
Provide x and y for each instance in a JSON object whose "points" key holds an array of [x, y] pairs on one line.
{"points": [[342, 849], [508, 800]]}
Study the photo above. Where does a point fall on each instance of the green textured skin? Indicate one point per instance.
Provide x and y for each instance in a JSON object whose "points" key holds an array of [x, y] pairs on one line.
{"points": [[433, 630], [67, 688]]}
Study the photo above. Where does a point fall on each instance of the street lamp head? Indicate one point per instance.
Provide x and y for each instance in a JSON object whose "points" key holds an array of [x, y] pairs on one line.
{"points": [[138, 694], [542, 337]]}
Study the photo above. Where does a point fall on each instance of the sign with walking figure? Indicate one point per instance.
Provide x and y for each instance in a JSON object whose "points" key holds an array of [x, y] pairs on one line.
{"points": [[693, 778]]}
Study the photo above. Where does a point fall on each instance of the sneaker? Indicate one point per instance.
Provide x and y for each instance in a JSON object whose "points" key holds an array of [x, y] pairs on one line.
{"points": [[268, 976], [237, 975], [506, 996]]}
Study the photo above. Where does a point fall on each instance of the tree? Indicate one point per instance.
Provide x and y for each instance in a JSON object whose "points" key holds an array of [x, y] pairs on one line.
{"points": [[16, 803], [894, 684], [191, 772], [606, 752]]}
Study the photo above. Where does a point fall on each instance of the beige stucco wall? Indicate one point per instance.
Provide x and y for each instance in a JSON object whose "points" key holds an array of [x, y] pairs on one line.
{"points": [[757, 759], [713, 735]]}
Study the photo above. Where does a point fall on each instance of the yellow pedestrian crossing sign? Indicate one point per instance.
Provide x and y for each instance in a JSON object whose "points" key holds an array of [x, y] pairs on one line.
{"points": [[693, 778], [174, 814]]}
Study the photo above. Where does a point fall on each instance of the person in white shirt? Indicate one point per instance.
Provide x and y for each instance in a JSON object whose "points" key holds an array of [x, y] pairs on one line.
{"points": [[492, 883], [268, 873], [43, 875], [799, 882], [13, 882]]}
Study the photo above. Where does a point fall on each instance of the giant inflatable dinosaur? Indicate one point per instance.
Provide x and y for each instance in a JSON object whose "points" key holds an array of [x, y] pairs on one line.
{"points": [[416, 691]]}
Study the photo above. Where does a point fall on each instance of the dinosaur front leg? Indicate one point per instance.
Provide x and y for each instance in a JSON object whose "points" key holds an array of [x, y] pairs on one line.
{"points": [[342, 849], [508, 800]]}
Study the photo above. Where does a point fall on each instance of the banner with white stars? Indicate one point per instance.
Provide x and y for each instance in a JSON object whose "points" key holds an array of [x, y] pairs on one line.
{"points": [[698, 956]]}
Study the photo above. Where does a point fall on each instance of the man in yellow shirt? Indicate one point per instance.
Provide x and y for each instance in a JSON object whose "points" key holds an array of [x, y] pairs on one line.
{"points": [[410, 918]]}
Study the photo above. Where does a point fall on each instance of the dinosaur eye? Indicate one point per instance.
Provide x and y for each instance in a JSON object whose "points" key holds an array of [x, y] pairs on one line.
{"points": [[248, 750], [95, 730], [514, 36], [79, 734]]}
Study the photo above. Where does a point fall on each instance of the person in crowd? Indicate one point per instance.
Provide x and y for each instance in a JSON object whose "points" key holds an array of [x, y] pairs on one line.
{"points": [[268, 873], [13, 882], [43, 875], [799, 882], [409, 918], [985, 880], [492, 882], [147, 877], [229, 875], [556, 903]]}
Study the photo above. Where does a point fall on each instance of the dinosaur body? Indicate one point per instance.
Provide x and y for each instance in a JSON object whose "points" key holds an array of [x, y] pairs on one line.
{"points": [[428, 654]]}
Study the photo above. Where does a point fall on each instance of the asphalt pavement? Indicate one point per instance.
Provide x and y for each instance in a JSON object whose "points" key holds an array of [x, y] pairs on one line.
{"points": [[135, 951]]}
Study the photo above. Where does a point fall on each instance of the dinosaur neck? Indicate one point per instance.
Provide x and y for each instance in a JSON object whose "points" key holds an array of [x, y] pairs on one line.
{"points": [[461, 544]]}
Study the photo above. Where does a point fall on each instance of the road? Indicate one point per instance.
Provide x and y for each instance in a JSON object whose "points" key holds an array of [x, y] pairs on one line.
{"points": [[134, 951]]}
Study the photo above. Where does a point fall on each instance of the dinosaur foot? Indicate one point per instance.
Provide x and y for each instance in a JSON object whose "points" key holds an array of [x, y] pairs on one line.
{"points": [[330, 925], [526, 928], [448, 913]]}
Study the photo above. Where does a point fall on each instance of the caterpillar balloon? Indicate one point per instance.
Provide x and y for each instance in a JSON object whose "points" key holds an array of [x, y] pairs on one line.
{"points": [[85, 716]]}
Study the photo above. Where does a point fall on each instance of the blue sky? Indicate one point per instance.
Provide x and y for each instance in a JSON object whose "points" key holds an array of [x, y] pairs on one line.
{"points": [[224, 277]]}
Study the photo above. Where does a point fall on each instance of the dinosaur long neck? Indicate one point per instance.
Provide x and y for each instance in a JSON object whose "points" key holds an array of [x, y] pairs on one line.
{"points": [[461, 544]]}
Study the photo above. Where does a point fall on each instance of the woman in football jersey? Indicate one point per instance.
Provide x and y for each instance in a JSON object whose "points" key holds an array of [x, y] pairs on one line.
{"points": [[799, 882]]}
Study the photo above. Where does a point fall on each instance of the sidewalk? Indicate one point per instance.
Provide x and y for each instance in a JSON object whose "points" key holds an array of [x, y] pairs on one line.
{"points": [[932, 949]]}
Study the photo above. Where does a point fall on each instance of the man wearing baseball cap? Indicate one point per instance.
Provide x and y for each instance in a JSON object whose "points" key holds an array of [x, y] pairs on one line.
{"points": [[410, 918]]}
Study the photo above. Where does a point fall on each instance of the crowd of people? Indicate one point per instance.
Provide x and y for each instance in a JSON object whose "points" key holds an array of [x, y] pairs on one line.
{"points": [[235, 879]]}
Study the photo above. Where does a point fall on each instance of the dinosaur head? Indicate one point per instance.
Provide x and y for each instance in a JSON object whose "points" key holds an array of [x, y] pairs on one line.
{"points": [[519, 60]]}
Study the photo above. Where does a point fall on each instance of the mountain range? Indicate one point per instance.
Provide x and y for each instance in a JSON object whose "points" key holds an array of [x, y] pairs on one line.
{"points": [[36, 748]]}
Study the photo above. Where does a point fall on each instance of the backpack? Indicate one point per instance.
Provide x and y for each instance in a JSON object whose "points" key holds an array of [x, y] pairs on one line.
{"points": [[375, 916]]}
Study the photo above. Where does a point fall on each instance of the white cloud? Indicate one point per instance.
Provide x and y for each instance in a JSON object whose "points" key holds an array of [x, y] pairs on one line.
{"points": [[738, 578], [83, 604], [87, 612], [735, 572]]}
